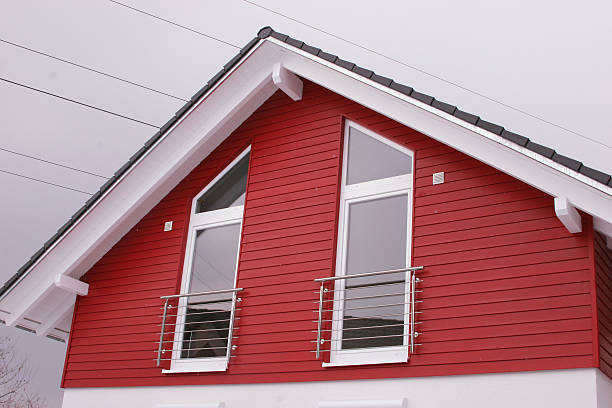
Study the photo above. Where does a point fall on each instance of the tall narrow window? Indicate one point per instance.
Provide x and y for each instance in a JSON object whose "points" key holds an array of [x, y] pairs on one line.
{"points": [[202, 340], [370, 313]]}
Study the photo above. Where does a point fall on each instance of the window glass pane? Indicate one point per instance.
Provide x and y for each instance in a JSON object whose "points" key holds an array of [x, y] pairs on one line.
{"points": [[376, 241], [227, 192], [369, 159], [213, 268]]}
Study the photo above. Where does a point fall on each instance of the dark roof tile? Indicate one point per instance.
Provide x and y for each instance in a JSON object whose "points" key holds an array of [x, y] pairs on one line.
{"points": [[108, 183], [381, 79], [37, 253], [310, 49], [279, 36], [215, 78], [249, 45], [293, 42], [345, 64], [538, 148], [64, 227], [152, 139], [78, 213], [406, 90], [327, 56], [93, 198], [138, 154], [426, 99], [491, 127], [595, 174], [167, 125], [362, 71], [265, 32], [50, 241], [566, 161], [183, 109], [450, 109], [199, 94], [468, 117], [123, 168], [513, 137], [232, 62]]}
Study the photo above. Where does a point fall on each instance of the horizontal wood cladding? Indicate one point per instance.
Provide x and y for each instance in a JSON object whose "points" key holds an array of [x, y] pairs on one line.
{"points": [[603, 273], [506, 287]]}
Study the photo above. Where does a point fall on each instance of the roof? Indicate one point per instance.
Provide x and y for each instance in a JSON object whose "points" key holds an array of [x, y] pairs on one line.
{"points": [[264, 33]]}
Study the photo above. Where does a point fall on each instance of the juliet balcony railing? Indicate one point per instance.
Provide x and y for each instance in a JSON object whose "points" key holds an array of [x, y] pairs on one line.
{"points": [[197, 325], [366, 310]]}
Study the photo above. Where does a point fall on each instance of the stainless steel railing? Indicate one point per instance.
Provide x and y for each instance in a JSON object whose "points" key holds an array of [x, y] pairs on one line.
{"points": [[197, 325], [377, 321]]}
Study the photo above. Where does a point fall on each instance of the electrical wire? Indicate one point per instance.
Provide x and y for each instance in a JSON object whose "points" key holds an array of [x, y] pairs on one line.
{"points": [[175, 24], [78, 103], [91, 69], [44, 182], [440, 78], [53, 163]]}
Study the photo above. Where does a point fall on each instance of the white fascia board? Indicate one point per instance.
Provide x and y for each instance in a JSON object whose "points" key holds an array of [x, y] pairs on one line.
{"points": [[538, 171], [180, 150]]}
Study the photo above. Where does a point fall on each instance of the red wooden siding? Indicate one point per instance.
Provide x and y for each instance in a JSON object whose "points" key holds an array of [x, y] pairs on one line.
{"points": [[603, 270], [506, 287]]}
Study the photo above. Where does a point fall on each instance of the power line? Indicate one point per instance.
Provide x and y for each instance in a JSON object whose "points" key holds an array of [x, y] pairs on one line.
{"points": [[44, 182], [78, 103], [428, 73], [175, 24], [91, 69], [53, 163]]}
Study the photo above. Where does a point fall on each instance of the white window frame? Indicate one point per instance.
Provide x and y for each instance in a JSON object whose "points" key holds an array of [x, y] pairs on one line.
{"points": [[362, 192], [197, 222]]}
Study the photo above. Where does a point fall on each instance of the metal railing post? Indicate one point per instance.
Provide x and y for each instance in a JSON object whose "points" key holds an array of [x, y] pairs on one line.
{"points": [[319, 323], [161, 335], [412, 314], [231, 327]]}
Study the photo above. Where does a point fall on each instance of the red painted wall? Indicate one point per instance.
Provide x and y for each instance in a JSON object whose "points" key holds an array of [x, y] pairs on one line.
{"points": [[506, 287], [603, 269]]}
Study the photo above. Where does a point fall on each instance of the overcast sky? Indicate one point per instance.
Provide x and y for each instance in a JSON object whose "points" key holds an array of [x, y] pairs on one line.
{"points": [[548, 59]]}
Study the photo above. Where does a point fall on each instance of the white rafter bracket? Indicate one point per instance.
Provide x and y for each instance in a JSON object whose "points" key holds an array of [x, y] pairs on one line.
{"points": [[287, 81], [71, 285], [568, 215]]}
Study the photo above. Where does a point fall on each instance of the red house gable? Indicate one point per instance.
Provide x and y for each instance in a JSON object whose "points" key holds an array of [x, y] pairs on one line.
{"points": [[505, 286], [302, 219]]}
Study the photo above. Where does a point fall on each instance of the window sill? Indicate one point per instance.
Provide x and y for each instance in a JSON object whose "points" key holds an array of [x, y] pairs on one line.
{"points": [[197, 366], [385, 355]]}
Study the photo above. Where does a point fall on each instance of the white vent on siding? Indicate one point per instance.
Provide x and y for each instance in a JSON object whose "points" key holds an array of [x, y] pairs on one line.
{"points": [[168, 226], [438, 178]]}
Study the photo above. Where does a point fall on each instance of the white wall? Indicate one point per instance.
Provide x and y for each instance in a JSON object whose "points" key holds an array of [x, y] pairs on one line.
{"points": [[556, 388]]}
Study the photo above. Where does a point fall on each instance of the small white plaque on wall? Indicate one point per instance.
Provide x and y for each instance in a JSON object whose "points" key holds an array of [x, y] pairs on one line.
{"points": [[168, 226]]}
